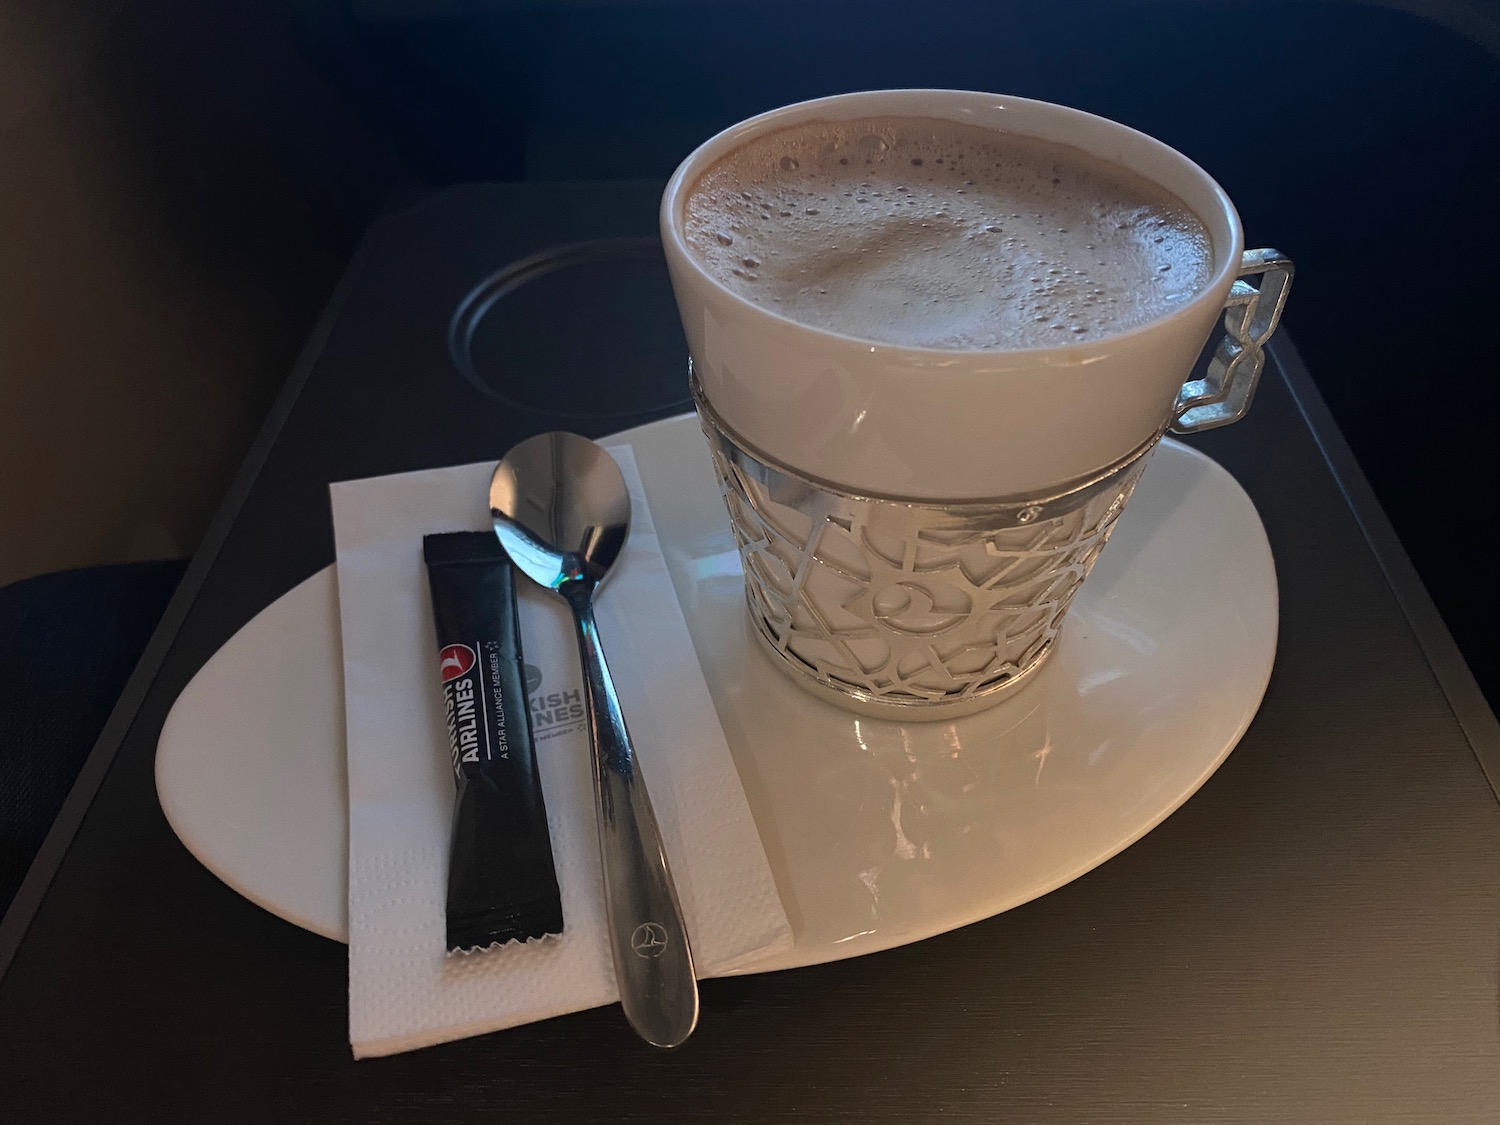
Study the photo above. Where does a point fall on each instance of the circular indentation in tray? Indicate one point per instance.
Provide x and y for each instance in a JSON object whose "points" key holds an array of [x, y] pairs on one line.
{"points": [[586, 330]]}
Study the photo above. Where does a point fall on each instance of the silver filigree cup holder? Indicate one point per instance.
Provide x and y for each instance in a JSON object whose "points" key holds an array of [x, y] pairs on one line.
{"points": [[916, 609]]}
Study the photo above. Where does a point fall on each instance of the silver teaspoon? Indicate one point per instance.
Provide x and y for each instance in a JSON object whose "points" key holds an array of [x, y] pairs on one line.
{"points": [[561, 510]]}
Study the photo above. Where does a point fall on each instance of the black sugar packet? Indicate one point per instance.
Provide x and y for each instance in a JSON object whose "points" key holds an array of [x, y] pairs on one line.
{"points": [[502, 885]]}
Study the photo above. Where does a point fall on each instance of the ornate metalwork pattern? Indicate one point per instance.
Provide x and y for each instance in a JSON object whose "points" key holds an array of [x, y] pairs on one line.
{"points": [[909, 607], [1251, 314]]}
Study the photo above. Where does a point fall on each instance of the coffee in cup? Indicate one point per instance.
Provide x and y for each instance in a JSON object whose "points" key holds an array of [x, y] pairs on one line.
{"points": [[935, 335], [926, 233]]}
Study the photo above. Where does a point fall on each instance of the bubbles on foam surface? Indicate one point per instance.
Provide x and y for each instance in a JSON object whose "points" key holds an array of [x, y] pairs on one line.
{"points": [[1007, 243]]}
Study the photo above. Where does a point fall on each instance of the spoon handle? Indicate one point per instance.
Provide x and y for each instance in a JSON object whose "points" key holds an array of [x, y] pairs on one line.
{"points": [[647, 937]]}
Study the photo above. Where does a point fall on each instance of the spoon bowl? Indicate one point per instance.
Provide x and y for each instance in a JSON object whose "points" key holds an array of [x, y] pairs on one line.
{"points": [[560, 508]]}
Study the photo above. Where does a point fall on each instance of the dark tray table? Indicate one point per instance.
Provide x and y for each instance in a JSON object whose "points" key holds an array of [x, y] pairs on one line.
{"points": [[1315, 936]]}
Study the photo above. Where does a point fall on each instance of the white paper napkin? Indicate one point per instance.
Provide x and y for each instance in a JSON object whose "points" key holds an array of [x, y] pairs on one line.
{"points": [[404, 990]]}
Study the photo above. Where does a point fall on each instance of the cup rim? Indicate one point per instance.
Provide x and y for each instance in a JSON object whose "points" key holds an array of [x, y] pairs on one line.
{"points": [[687, 173]]}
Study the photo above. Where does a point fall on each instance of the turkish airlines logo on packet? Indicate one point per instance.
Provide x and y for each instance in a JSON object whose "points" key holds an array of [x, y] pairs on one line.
{"points": [[454, 661]]}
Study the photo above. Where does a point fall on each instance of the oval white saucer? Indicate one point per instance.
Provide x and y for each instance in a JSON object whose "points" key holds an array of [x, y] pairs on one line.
{"points": [[878, 833]]}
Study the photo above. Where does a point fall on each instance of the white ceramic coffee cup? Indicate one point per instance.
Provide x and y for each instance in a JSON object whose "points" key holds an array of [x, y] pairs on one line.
{"points": [[946, 424]]}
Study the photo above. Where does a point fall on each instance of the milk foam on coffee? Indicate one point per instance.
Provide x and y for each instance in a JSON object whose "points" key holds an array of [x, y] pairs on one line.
{"points": [[938, 234]]}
